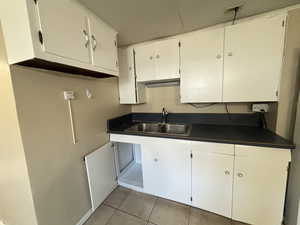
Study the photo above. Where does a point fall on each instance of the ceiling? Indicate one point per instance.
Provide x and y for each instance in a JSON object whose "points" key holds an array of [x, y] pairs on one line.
{"points": [[141, 20]]}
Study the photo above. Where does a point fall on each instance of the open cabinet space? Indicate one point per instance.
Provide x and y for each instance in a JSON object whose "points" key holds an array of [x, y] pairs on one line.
{"points": [[129, 165]]}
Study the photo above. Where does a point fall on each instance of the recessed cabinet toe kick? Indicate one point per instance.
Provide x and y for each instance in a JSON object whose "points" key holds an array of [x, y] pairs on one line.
{"points": [[245, 183]]}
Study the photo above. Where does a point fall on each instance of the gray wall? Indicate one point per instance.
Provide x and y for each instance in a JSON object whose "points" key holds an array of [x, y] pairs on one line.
{"points": [[56, 167]]}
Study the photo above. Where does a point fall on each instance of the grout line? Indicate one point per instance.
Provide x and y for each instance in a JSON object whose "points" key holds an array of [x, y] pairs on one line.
{"points": [[190, 213], [148, 220], [111, 216]]}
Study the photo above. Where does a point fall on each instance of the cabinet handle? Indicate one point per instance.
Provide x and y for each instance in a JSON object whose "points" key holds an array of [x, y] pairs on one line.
{"points": [[230, 54], [157, 56], [219, 56], [227, 172], [87, 40], [95, 43], [240, 175]]}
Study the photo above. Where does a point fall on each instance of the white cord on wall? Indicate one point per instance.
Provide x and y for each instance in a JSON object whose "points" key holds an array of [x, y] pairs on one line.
{"points": [[72, 122]]}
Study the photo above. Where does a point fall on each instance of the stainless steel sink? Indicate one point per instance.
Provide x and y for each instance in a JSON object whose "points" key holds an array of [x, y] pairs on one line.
{"points": [[163, 128]]}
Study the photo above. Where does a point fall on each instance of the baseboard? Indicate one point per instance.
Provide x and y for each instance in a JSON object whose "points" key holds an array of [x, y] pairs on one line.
{"points": [[85, 217]]}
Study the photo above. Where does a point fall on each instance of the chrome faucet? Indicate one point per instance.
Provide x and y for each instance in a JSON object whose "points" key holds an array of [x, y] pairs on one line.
{"points": [[164, 115]]}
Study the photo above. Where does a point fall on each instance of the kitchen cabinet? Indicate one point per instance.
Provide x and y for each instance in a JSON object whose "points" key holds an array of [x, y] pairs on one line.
{"points": [[259, 184], [212, 177], [245, 183], [166, 169], [54, 18], [101, 174], [253, 59], [59, 35], [103, 44], [130, 91], [158, 61], [202, 66]]}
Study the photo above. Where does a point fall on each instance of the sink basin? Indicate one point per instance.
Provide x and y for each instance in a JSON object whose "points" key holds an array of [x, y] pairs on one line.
{"points": [[163, 128]]}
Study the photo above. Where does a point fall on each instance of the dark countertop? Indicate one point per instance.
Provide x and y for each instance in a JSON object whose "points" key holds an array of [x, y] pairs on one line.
{"points": [[243, 129]]}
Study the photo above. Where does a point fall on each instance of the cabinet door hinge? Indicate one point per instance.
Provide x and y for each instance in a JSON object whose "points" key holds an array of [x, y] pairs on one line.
{"points": [[283, 23], [191, 155], [179, 71], [179, 44], [191, 199], [41, 39], [117, 64], [115, 43], [276, 93]]}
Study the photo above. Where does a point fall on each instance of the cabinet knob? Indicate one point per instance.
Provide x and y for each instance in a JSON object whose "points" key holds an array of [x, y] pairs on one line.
{"points": [[219, 56], [157, 56], [240, 175], [155, 160], [151, 57], [227, 172], [130, 68], [230, 54]]}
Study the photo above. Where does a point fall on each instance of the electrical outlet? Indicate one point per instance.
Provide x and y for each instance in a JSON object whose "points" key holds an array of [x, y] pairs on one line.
{"points": [[69, 95], [260, 107]]}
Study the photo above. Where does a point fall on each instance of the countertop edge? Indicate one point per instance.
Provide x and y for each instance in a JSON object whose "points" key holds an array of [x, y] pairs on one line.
{"points": [[224, 141]]}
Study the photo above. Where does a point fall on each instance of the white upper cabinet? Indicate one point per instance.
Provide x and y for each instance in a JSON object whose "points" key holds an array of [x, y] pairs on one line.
{"points": [[130, 91], [103, 44], [62, 34], [158, 61], [202, 66], [212, 177], [253, 59], [64, 29], [260, 184], [167, 60], [145, 65]]}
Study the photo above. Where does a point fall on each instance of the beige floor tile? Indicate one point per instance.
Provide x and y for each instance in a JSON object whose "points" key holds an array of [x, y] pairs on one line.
{"points": [[120, 218], [117, 197], [200, 217], [138, 204], [101, 216], [169, 213]]}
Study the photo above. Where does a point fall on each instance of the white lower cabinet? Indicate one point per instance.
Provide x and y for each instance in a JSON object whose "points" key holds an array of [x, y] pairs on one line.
{"points": [[212, 177], [166, 169], [245, 183], [259, 185]]}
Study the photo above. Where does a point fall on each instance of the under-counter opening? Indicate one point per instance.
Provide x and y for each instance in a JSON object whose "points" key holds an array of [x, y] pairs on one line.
{"points": [[129, 168]]}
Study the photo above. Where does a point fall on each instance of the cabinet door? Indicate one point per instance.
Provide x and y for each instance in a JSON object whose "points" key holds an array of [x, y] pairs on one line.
{"points": [[166, 169], [145, 63], [103, 44], [212, 177], [254, 54], [202, 66], [167, 59], [127, 83], [101, 174], [260, 185], [64, 29]]}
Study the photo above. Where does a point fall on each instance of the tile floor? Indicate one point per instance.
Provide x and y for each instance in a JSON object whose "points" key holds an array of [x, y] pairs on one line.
{"points": [[126, 207]]}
